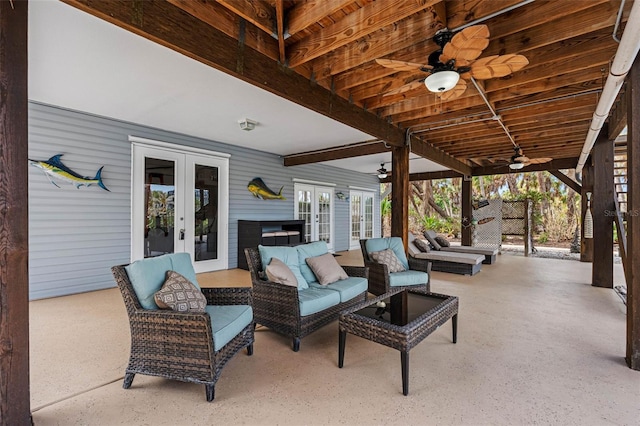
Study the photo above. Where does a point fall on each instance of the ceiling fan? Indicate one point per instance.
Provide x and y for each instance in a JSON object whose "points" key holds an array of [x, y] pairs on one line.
{"points": [[519, 160], [457, 57], [382, 172]]}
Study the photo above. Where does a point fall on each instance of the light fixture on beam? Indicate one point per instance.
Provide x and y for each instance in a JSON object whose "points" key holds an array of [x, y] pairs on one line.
{"points": [[516, 166], [246, 124]]}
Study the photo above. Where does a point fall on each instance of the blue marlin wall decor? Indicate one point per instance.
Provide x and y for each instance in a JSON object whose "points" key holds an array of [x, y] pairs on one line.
{"points": [[53, 168]]}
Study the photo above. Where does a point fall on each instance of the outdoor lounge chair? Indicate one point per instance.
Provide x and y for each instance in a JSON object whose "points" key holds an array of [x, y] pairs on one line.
{"points": [[415, 277], [443, 261], [185, 346], [488, 253]]}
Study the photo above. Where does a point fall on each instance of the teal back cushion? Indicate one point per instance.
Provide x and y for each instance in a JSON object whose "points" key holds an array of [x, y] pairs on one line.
{"points": [[288, 256], [148, 275], [393, 243], [305, 251]]}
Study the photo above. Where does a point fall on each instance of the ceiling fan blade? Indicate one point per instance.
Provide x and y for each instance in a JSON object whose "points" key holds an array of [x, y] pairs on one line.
{"points": [[406, 88], [454, 93], [540, 160], [402, 65], [497, 66], [521, 159], [467, 45]]}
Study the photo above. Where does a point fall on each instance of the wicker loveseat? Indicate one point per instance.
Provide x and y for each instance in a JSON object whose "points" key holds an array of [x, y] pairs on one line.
{"points": [[185, 346], [415, 277], [285, 309]]}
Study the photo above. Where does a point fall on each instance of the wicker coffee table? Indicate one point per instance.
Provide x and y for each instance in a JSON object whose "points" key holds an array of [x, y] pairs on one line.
{"points": [[409, 317]]}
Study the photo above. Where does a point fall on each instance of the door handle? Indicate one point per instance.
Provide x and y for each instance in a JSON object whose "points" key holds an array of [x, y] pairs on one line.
{"points": [[181, 237]]}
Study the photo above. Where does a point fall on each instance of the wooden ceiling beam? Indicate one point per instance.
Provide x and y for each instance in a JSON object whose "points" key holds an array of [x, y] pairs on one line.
{"points": [[421, 123], [555, 148], [524, 95], [559, 164], [258, 13], [229, 23], [355, 25], [280, 30], [306, 13], [381, 43], [462, 12], [337, 153], [458, 107], [441, 174], [567, 181], [618, 116]]}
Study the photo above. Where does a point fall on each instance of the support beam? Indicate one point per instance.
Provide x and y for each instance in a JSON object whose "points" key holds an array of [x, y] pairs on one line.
{"points": [[567, 180], [14, 214], [586, 244], [559, 164], [336, 153], [442, 174], [632, 269], [400, 194], [467, 212], [602, 209]]}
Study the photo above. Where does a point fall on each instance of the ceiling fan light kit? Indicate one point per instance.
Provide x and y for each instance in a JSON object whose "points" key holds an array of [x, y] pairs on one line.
{"points": [[516, 166], [382, 172], [442, 81]]}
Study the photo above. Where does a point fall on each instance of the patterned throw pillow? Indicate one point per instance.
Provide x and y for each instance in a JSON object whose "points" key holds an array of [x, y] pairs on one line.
{"points": [[389, 258], [422, 245], [442, 241], [179, 294], [278, 272]]}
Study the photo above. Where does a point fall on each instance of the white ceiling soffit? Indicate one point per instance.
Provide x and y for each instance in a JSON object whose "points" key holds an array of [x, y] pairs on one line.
{"points": [[83, 63]]}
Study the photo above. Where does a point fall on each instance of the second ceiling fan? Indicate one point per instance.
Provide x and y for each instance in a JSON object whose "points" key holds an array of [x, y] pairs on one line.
{"points": [[457, 57]]}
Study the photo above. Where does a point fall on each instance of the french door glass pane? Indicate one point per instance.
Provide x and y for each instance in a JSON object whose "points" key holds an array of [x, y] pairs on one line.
{"points": [[324, 216], [304, 212], [368, 217], [355, 217], [206, 212], [159, 206]]}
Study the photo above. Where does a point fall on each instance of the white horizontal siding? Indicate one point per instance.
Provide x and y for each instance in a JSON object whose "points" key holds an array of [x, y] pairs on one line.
{"points": [[76, 235]]}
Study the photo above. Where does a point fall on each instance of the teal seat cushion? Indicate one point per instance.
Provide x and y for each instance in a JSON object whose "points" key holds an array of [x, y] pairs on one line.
{"points": [[181, 263], [315, 299], [288, 256], [393, 243], [408, 278], [348, 289], [227, 322], [314, 249], [147, 277]]}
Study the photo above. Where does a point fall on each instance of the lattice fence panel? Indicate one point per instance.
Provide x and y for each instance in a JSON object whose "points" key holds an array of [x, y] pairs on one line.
{"points": [[488, 231]]}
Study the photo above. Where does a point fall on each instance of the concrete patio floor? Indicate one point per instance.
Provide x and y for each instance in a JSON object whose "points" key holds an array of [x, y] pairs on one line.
{"points": [[537, 344]]}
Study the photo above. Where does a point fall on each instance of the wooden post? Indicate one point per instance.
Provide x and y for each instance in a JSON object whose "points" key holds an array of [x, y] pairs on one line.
{"points": [[586, 244], [602, 208], [467, 211], [528, 241], [400, 194], [632, 270], [14, 238]]}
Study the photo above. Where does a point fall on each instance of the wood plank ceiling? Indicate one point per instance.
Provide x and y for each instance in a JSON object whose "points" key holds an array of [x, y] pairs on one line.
{"points": [[321, 54]]}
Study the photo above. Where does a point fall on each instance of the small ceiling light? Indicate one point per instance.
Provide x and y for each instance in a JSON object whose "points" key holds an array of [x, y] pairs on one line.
{"points": [[442, 81], [382, 172], [246, 124], [516, 166]]}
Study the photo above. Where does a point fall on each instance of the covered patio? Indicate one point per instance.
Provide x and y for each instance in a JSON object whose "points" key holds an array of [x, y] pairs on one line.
{"points": [[540, 341], [542, 347]]}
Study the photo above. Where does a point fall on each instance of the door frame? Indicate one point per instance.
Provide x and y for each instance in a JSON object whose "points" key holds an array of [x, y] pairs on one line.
{"points": [[173, 151], [317, 186], [363, 194]]}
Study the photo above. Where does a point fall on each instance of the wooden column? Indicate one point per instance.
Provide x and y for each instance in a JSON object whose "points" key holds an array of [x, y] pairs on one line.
{"points": [[603, 210], [467, 211], [400, 193], [14, 242], [632, 270], [586, 244]]}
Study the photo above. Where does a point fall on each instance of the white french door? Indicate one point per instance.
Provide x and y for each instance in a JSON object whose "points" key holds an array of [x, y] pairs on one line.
{"points": [[179, 204], [314, 205], [361, 208]]}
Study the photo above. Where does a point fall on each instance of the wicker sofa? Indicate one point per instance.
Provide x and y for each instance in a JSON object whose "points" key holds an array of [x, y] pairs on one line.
{"points": [[299, 311], [185, 346]]}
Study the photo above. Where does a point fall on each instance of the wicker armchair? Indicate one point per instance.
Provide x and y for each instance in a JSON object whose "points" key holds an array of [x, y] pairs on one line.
{"points": [[379, 279], [277, 307], [178, 345]]}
